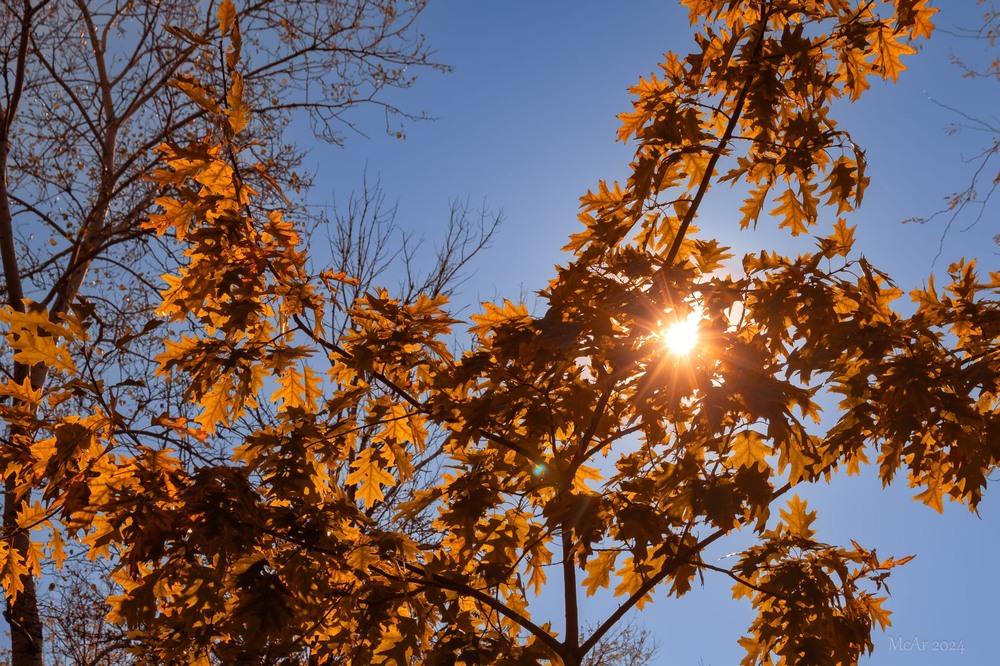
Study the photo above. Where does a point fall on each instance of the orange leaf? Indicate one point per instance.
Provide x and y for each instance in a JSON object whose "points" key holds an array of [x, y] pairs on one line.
{"points": [[888, 53], [797, 519], [227, 15], [369, 476]]}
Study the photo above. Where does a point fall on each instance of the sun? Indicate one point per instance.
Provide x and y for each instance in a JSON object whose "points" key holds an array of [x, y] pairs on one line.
{"points": [[682, 336]]}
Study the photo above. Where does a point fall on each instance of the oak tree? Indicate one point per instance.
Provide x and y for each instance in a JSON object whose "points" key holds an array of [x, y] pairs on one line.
{"points": [[90, 88], [576, 450]]}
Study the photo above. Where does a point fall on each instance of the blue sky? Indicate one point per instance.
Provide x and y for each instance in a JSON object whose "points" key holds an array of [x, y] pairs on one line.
{"points": [[526, 122]]}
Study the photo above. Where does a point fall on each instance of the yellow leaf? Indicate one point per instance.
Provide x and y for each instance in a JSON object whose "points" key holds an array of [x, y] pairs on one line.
{"points": [[753, 205], [362, 557], [34, 338], [313, 387], [44, 351], [603, 198], [291, 388], [840, 241], [797, 519], [844, 185], [632, 576], [391, 637], [878, 613], [585, 473], [56, 546], [217, 178], [235, 47], [922, 24], [176, 215], [21, 392], [399, 426], [749, 450], [932, 497], [794, 213], [599, 571], [369, 476], [216, 404], [11, 569], [31, 516], [853, 70], [237, 111], [198, 93], [495, 316], [695, 165]]}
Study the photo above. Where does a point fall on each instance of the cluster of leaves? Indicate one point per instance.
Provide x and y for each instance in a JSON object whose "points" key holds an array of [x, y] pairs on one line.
{"points": [[90, 89], [573, 442]]}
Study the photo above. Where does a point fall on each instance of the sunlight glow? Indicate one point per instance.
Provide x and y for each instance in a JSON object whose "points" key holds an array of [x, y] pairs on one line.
{"points": [[681, 337]]}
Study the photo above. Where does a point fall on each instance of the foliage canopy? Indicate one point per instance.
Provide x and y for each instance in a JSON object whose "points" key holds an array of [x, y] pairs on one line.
{"points": [[89, 90], [573, 445]]}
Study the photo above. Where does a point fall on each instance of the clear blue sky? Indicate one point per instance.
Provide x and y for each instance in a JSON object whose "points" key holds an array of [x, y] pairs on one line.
{"points": [[527, 122]]}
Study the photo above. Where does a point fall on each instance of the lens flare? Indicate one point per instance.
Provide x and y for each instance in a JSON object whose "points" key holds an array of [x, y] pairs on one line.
{"points": [[682, 336]]}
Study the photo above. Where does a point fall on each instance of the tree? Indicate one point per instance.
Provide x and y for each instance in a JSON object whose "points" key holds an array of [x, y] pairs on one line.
{"points": [[629, 645], [985, 177], [574, 445], [89, 90], [74, 613]]}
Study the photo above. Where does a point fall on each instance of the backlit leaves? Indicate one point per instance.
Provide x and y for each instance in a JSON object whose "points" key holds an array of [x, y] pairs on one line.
{"points": [[797, 520], [890, 52], [749, 450], [797, 210], [298, 387], [370, 475], [815, 602], [378, 497], [38, 339], [509, 314]]}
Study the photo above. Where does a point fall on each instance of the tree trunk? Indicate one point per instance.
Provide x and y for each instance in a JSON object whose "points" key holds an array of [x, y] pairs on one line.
{"points": [[22, 614]]}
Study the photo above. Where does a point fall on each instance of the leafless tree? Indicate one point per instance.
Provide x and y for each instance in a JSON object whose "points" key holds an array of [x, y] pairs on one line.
{"points": [[77, 632], [631, 645], [971, 202]]}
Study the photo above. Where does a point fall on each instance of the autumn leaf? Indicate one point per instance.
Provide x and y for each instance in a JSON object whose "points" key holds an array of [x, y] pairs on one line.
{"points": [[217, 177], [497, 316], [749, 450], [599, 570], [22, 392], [552, 443], [12, 569], [236, 110], [932, 496], [197, 92], [794, 214], [370, 476], [36, 338], [797, 520], [216, 404], [919, 19], [753, 205], [32, 516], [227, 16], [362, 557], [877, 613], [297, 388], [401, 426], [840, 242], [889, 51], [604, 197]]}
